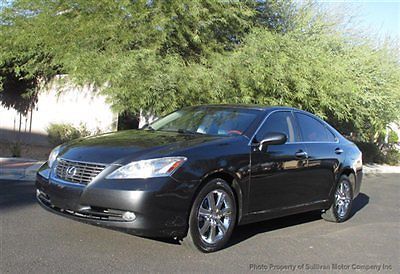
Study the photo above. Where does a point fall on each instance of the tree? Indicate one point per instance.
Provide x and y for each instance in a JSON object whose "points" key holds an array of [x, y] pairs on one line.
{"points": [[25, 63], [157, 56]]}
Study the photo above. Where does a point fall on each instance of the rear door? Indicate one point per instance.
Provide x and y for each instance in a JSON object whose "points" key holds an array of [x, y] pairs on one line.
{"points": [[277, 172], [324, 155]]}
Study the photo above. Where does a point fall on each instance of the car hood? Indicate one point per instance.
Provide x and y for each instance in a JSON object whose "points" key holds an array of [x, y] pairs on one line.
{"points": [[124, 146]]}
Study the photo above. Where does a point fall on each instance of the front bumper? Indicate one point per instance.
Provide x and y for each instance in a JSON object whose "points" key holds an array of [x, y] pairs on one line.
{"points": [[161, 205]]}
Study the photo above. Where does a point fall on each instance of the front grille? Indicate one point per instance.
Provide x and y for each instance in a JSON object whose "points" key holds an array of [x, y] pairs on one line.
{"points": [[77, 172]]}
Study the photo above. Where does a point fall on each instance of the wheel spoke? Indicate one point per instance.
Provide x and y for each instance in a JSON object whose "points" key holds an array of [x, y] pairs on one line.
{"points": [[205, 227], [221, 200], [204, 212], [213, 232], [226, 212], [221, 226], [342, 189], [211, 201], [341, 210]]}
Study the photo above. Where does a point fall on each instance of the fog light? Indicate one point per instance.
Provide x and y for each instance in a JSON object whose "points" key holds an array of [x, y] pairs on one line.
{"points": [[129, 216], [39, 192]]}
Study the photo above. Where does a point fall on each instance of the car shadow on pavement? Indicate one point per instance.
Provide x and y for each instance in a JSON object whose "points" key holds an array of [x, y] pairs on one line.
{"points": [[22, 193], [359, 203], [242, 233], [16, 194]]}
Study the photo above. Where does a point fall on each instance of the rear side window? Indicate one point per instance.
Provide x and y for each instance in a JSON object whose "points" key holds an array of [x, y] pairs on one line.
{"points": [[313, 130], [282, 122]]}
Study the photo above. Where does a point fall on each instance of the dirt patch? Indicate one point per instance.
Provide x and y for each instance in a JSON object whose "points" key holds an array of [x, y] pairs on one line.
{"points": [[36, 152]]}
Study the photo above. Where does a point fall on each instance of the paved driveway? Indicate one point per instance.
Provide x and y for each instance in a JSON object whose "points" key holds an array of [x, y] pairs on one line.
{"points": [[36, 241]]}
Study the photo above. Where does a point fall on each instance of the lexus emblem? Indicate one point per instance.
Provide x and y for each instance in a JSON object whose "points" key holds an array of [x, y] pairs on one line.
{"points": [[71, 171]]}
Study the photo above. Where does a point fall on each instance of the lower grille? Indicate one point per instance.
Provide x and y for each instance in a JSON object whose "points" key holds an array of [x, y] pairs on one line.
{"points": [[94, 213], [77, 172], [98, 214]]}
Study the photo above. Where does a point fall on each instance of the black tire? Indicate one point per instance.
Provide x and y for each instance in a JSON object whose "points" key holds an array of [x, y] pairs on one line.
{"points": [[333, 214], [197, 241]]}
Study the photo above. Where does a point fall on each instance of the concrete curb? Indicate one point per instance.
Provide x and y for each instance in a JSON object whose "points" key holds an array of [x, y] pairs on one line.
{"points": [[380, 169], [16, 159], [20, 174], [29, 173]]}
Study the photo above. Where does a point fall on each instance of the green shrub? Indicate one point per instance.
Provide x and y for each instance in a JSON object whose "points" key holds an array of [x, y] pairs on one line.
{"points": [[15, 149], [370, 153], [392, 157], [61, 133], [393, 138]]}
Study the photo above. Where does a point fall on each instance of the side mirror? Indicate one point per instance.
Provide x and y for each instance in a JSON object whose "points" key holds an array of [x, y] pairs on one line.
{"points": [[272, 138]]}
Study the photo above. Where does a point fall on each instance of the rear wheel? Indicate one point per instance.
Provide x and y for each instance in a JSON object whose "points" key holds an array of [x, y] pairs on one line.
{"points": [[342, 201], [212, 217]]}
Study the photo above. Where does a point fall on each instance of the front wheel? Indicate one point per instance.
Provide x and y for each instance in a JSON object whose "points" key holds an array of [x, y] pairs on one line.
{"points": [[342, 201], [212, 217]]}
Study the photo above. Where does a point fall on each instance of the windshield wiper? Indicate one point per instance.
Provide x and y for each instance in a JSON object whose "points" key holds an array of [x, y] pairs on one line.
{"points": [[148, 127], [186, 131]]}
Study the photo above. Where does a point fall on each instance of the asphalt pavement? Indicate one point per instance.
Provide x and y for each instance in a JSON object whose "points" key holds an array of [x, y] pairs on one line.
{"points": [[33, 240]]}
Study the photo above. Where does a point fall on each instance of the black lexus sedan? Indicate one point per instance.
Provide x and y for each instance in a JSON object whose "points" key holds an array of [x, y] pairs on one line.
{"points": [[198, 172]]}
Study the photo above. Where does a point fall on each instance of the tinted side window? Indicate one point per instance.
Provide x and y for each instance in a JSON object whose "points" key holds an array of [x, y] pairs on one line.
{"points": [[281, 121], [312, 130], [331, 136]]}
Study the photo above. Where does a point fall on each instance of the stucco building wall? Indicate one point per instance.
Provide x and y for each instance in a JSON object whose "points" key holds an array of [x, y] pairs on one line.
{"points": [[59, 102]]}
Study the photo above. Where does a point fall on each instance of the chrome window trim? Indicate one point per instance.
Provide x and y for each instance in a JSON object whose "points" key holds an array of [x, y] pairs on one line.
{"points": [[315, 142], [302, 142]]}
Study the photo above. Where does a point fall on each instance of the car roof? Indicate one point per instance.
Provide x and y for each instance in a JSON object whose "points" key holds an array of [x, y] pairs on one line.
{"points": [[269, 109], [249, 106], [263, 108]]}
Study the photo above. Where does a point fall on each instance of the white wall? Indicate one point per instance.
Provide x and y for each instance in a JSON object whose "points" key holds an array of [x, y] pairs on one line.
{"points": [[62, 102]]}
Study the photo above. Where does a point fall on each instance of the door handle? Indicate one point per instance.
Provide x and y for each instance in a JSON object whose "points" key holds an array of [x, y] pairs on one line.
{"points": [[339, 151], [301, 154]]}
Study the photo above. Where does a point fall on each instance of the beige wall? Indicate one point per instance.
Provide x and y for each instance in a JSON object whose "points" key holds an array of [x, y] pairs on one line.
{"points": [[61, 102]]}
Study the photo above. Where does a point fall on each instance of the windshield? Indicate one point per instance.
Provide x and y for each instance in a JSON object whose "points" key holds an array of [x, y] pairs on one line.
{"points": [[207, 120]]}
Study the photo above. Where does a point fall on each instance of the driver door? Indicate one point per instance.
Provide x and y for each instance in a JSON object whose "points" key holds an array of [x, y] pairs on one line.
{"points": [[277, 172]]}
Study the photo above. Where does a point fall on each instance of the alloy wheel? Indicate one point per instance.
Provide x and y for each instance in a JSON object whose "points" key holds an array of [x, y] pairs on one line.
{"points": [[214, 216], [342, 199]]}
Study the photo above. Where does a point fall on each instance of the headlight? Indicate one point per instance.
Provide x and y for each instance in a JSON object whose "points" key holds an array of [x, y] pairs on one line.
{"points": [[53, 156], [159, 167]]}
